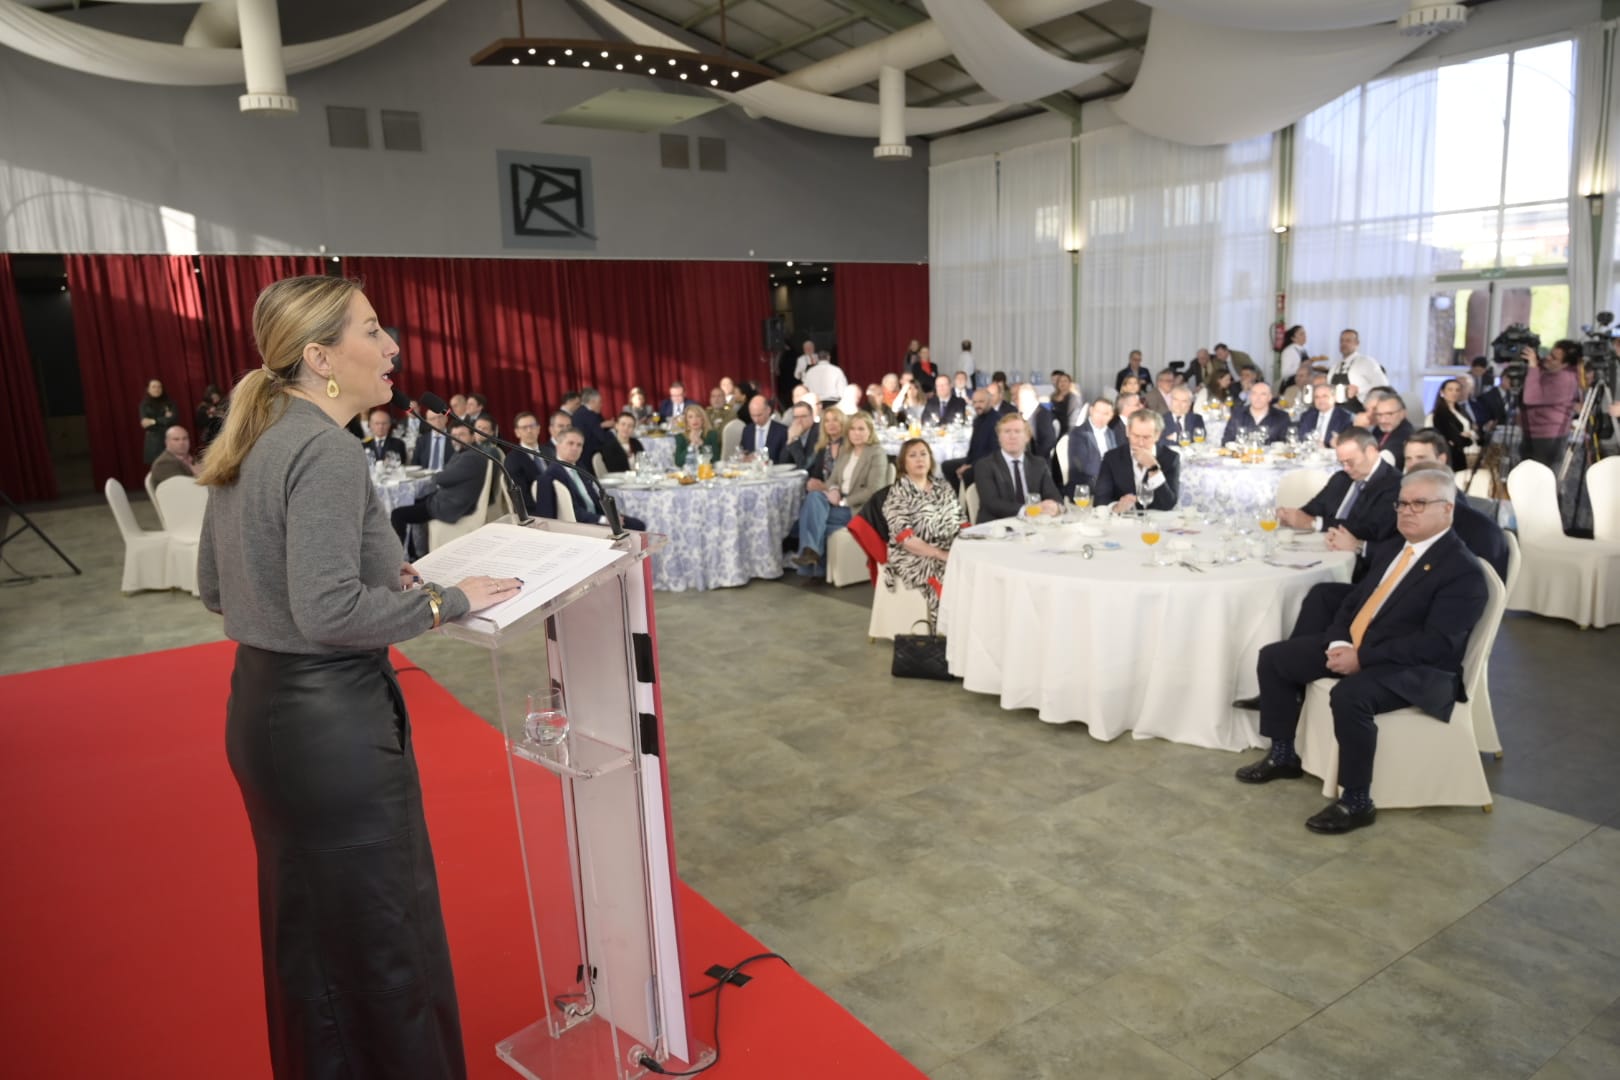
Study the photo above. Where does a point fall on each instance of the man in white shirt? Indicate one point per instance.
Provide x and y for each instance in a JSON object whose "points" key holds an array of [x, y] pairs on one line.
{"points": [[1397, 641], [1353, 366], [825, 379], [806, 358]]}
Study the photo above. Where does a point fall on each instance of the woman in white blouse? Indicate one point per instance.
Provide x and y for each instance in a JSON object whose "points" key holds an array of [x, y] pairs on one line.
{"points": [[1293, 350]]}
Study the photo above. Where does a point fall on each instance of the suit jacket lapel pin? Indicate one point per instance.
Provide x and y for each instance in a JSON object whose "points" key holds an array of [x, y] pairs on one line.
{"points": [[1425, 568]]}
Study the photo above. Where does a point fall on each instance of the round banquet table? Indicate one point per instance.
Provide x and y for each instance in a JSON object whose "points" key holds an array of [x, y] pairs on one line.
{"points": [[659, 449], [947, 447], [1161, 652], [721, 533], [400, 491], [1206, 479]]}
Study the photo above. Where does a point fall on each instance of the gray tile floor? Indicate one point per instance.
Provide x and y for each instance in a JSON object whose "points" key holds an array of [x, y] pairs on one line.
{"points": [[999, 898]]}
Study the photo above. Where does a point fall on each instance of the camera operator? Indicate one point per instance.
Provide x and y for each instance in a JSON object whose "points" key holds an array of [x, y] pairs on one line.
{"points": [[1551, 388]]}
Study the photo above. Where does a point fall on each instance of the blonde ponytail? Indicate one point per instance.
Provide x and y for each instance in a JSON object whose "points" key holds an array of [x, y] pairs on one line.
{"points": [[288, 315]]}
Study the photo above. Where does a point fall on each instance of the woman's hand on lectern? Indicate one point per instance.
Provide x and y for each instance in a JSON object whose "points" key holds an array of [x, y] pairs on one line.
{"points": [[483, 591]]}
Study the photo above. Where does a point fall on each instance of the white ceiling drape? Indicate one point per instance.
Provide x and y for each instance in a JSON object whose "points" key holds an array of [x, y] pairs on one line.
{"points": [[118, 56], [1207, 85], [1286, 14], [1003, 61]]}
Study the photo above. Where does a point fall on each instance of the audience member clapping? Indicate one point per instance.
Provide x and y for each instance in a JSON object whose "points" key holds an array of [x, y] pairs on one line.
{"points": [[696, 432]]}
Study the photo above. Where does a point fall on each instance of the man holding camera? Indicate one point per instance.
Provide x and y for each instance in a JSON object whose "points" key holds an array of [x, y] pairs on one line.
{"points": [[1551, 388]]}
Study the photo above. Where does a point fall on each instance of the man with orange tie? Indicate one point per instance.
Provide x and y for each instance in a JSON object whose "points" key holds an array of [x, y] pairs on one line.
{"points": [[1397, 641]]}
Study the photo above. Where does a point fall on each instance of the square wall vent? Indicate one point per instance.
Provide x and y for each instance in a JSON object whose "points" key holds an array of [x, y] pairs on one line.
{"points": [[346, 128], [401, 130], [675, 151], [711, 154]]}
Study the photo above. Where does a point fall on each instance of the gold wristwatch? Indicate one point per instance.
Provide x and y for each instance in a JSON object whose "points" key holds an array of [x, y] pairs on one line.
{"points": [[435, 597]]}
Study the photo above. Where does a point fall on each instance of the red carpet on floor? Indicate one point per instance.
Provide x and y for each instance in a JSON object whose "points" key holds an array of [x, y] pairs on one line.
{"points": [[129, 929]]}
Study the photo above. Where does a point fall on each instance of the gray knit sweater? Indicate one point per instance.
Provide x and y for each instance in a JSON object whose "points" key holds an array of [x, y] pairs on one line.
{"points": [[298, 554]]}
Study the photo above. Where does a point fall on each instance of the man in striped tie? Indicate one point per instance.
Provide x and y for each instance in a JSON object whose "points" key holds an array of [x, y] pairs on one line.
{"points": [[1397, 640]]}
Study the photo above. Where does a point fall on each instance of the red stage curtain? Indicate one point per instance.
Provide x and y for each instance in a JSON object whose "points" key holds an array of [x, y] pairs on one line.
{"points": [[135, 318], [878, 309], [25, 470], [230, 284], [525, 331]]}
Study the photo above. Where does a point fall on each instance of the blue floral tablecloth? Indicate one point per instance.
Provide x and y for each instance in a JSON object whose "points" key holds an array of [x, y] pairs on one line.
{"points": [[404, 492], [722, 533], [660, 449]]}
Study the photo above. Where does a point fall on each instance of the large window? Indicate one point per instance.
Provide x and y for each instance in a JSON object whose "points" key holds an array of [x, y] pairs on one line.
{"points": [[1420, 197]]}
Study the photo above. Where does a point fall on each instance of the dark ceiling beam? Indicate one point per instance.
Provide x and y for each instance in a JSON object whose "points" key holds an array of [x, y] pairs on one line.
{"points": [[807, 37]]}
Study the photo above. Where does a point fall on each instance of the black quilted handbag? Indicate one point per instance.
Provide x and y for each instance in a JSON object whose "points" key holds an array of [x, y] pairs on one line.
{"points": [[920, 656]]}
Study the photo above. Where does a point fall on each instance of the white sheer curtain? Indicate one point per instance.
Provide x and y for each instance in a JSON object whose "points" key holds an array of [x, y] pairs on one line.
{"points": [[1036, 275], [964, 296], [1177, 250], [1362, 253]]}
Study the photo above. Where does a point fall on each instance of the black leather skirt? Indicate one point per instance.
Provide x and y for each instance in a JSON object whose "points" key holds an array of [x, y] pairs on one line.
{"points": [[357, 977]]}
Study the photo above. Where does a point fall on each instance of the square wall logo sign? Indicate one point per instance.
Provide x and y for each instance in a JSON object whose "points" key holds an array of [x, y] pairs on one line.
{"points": [[546, 201]]}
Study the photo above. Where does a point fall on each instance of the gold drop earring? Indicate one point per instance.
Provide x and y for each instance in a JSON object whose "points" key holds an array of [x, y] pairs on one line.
{"points": [[332, 389]]}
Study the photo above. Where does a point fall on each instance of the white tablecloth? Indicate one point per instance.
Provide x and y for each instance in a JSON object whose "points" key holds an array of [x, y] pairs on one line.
{"points": [[722, 533], [949, 446], [402, 492], [1119, 646]]}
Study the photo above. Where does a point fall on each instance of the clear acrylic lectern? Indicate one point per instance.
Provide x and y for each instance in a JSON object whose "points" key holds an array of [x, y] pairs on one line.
{"points": [[593, 823]]}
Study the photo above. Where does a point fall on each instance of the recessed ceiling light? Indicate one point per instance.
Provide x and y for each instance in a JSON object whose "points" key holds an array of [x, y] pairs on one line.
{"points": [[604, 54], [515, 60], [618, 67], [568, 52], [714, 82], [734, 74], [672, 61], [683, 74], [552, 61], [652, 71], [531, 52], [703, 67], [790, 262], [584, 63], [638, 58]]}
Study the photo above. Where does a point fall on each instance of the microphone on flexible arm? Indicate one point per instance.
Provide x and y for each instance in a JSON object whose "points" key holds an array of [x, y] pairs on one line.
{"points": [[610, 509], [401, 401]]}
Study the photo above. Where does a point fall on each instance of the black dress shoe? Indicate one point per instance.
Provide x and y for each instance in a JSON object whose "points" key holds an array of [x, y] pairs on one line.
{"points": [[1339, 818], [1265, 771], [1250, 703]]}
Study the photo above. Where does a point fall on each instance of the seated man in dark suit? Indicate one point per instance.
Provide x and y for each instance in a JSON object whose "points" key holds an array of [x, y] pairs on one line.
{"points": [[1181, 424], [1144, 466], [1261, 415], [583, 493], [959, 471], [761, 432], [432, 448], [1397, 640], [1482, 536], [380, 443], [1357, 506], [1007, 476], [944, 407], [456, 488], [1043, 424], [802, 433], [1390, 423], [587, 420], [527, 467], [1088, 442], [1321, 423]]}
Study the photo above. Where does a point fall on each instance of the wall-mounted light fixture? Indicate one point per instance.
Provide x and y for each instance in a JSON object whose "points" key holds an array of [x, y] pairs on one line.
{"points": [[1279, 229]]}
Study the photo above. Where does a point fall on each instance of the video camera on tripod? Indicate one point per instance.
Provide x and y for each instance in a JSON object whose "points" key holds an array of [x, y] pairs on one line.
{"points": [[1597, 350], [1508, 349]]}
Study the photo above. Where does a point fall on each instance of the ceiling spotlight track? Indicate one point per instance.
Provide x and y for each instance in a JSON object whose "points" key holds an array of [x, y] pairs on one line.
{"points": [[677, 65]]}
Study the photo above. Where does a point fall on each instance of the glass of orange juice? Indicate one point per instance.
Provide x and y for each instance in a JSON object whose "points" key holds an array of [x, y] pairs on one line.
{"points": [[1082, 497], [705, 470], [1150, 537], [1268, 525]]}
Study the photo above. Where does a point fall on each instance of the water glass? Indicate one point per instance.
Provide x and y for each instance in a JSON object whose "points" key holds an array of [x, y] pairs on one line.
{"points": [[545, 722]]}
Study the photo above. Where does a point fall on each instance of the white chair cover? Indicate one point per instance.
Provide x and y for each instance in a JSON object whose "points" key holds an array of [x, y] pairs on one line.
{"points": [[1603, 485], [1299, 486], [565, 501], [895, 612], [151, 497], [730, 438], [1062, 452], [182, 503], [846, 561], [1562, 577], [1420, 761], [1485, 735], [441, 533], [146, 554], [970, 503], [598, 466]]}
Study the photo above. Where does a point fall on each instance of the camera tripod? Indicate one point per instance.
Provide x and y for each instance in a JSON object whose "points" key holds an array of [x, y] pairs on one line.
{"points": [[1594, 404], [27, 525]]}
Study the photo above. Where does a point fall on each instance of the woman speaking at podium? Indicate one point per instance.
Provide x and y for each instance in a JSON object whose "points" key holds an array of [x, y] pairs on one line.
{"points": [[298, 555]]}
